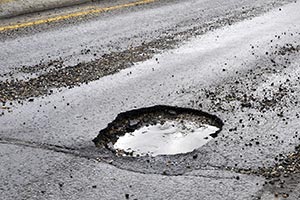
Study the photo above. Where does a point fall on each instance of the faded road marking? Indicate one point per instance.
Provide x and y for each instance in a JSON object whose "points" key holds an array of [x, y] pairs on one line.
{"points": [[93, 10], [5, 1]]}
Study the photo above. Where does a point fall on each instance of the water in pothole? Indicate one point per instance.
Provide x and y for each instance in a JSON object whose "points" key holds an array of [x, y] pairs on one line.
{"points": [[169, 138]]}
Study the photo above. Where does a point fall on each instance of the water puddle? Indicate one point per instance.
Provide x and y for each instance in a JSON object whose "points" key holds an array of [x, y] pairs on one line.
{"points": [[158, 130], [169, 138]]}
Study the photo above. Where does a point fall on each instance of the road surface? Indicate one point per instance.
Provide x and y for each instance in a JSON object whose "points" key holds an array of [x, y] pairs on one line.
{"points": [[63, 79]]}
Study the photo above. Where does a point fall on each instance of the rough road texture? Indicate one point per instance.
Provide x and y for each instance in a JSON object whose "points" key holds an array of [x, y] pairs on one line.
{"points": [[11, 8], [244, 68]]}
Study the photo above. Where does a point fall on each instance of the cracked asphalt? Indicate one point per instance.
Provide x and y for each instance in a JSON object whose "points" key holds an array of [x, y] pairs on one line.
{"points": [[63, 82]]}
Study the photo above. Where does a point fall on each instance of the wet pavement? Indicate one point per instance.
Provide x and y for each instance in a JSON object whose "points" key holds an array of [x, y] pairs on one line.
{"points": [[245, 70]]}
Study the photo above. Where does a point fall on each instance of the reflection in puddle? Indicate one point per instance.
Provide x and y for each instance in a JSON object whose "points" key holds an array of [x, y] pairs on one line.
{"points": [[170, 138]]}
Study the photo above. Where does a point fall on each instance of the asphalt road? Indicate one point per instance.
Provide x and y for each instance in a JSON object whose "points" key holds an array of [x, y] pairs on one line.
{"points": [[64, 81]]}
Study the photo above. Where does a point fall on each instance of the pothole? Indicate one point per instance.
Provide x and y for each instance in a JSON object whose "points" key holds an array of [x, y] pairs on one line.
{"points": [[165, 138], [159, 130]]}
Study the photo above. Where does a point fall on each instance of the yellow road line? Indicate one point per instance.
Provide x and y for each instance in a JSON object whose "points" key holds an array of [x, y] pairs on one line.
{"points": [[72, 15], [5, 1]]}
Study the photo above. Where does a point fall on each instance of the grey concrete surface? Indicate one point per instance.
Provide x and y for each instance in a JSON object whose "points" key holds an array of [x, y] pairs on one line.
{"points": [[12, 8], [204, 72]]}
